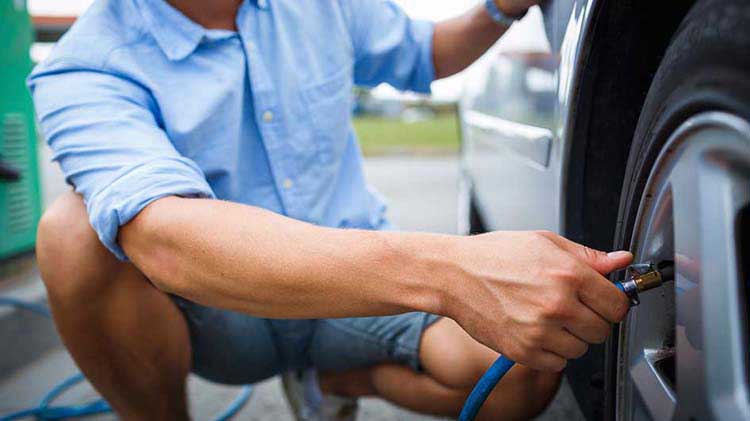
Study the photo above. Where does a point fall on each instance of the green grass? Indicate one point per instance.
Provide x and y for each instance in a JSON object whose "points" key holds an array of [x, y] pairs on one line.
{"points": [[386, 136]]}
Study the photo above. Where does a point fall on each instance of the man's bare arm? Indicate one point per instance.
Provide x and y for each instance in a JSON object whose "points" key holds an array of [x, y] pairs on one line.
{"points": [[534, 296], [458, 42], [247, 259]]}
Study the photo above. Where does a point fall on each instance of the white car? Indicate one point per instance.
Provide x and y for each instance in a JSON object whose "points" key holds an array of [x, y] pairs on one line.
{"points": [[625, 124]]}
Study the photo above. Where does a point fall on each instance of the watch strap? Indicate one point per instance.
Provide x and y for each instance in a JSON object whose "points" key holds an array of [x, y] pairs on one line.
{"points": [[498, 16]]}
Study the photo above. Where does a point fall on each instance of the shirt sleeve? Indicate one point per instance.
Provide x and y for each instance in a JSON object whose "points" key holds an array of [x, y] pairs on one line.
{"points": [[390, 47], [103, 132]]}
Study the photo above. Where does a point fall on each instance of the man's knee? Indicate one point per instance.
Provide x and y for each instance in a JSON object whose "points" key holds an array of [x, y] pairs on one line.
{"points": [[537, 389], [457, 361], [461, 367], [70, 256]]}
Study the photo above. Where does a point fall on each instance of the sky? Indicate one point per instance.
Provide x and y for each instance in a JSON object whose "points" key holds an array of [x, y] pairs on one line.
{"points": [[434, 10]]}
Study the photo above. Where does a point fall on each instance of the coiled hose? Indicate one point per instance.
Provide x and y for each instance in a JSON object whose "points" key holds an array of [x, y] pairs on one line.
{"points": [[45, 411]]}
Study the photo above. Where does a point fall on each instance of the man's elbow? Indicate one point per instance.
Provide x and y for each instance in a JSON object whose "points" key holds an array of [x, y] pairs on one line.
{"points": [[147, 243]]}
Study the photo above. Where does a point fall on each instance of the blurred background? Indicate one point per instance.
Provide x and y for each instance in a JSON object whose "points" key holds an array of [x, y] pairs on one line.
{"points": [[411, 146]]}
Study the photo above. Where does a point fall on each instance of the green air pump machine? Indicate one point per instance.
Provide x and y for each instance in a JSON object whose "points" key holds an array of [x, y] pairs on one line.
{"points": [[20, 201]]}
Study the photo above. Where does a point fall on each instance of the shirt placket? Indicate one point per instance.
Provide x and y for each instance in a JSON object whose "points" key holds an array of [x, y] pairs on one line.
{"points": [[268, 115]]}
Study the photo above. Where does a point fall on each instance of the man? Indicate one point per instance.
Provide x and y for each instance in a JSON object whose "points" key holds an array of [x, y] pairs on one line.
{"points": [[228, 230]]}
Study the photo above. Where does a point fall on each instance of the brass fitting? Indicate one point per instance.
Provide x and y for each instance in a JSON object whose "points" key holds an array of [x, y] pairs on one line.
{"points": [[648, 280], [643, 277]]}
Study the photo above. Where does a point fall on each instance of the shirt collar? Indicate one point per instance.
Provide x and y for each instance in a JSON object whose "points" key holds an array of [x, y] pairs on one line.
{"points": [[176, 34]]}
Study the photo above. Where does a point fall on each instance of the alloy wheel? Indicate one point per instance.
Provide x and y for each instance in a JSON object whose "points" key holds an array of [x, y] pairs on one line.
{"points": [[683, 352]]}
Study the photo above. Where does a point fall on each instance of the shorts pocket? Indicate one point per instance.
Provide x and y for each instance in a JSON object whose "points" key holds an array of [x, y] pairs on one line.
{"points": [[329, 106]]}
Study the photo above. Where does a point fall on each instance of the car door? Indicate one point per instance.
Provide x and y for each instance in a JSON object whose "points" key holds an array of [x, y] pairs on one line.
{"points": [[513, 116]]}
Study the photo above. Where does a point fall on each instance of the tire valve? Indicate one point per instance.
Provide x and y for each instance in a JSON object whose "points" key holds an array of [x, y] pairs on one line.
{"points": [[643, 277]]}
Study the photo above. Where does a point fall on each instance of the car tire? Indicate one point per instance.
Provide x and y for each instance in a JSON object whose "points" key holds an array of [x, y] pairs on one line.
{"points": [[706, 69]]}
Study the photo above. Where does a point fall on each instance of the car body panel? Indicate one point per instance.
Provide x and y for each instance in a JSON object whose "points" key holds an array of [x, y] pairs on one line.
{"points": [[515, 118]]}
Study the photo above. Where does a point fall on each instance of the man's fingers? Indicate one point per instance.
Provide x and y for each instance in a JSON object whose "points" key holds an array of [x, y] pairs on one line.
{"points": [[546, 361], [615, 260], [596, 292], [603, 297], [588, 325], [565, 345], [602, 262]]}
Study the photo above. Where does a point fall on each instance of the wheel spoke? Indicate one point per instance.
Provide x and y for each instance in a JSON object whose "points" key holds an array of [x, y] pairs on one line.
{"points": [[654, 390], [710, 185]]}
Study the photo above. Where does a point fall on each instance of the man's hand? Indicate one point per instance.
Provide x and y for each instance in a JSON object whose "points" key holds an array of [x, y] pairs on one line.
{"points": [[536, 297], [515, 7]]}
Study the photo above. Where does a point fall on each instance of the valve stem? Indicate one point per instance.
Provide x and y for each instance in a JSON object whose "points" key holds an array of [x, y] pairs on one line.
{"points": [[643, 277]]}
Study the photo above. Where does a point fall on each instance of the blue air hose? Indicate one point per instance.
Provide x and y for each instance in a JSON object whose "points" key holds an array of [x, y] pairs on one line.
{"points": [[503, 364], [236, 405], [44, 410], [484, 386]]}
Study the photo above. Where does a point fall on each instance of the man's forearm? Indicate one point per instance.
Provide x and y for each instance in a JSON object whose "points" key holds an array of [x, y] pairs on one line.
{"points": [[458, 42], [247, 259], [533, 296]]}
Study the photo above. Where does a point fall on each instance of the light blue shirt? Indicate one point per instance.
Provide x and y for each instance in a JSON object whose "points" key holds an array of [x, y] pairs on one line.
{"points": [[139, 102]]}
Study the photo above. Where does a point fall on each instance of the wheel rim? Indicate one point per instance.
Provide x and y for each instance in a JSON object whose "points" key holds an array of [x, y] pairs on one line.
{"points": [[682, 352]]}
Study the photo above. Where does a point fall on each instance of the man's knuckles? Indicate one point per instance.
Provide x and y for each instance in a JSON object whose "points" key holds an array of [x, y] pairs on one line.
{"points": [[536, 337], [576, 350], [567, 272], [600, 336], [557, 308], [595, 258], [620, 307], [542, 360], [615, 305]]}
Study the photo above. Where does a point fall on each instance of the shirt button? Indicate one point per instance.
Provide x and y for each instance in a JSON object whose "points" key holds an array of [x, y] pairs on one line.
{"points": [[261, 3], [268, 116], [288, 184]]}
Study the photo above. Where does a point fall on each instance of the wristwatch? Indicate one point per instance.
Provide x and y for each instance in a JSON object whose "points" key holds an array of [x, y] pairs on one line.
{"points": [[498, 16]]}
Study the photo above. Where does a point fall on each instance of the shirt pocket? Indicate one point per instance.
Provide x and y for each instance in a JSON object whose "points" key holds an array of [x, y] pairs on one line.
{"points": [[329, 107]]}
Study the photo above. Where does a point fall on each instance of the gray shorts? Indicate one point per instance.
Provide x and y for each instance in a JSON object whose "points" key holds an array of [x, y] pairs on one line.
{"points": [[235, 348]]}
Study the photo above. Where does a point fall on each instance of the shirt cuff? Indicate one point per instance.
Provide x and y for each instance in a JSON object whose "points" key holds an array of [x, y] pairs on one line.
{"points": [[124, 198], [425, 74]]}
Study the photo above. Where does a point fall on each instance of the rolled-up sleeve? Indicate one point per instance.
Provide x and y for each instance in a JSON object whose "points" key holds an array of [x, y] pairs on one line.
{"points": [[390, 47], [103, 131]]}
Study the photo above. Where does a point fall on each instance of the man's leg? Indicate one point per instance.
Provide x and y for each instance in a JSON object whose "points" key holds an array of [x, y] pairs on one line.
{"points": [[128, 338], [452, 362]]}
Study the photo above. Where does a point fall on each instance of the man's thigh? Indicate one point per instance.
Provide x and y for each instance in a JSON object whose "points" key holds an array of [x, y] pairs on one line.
{"points": [[343, 344]]}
